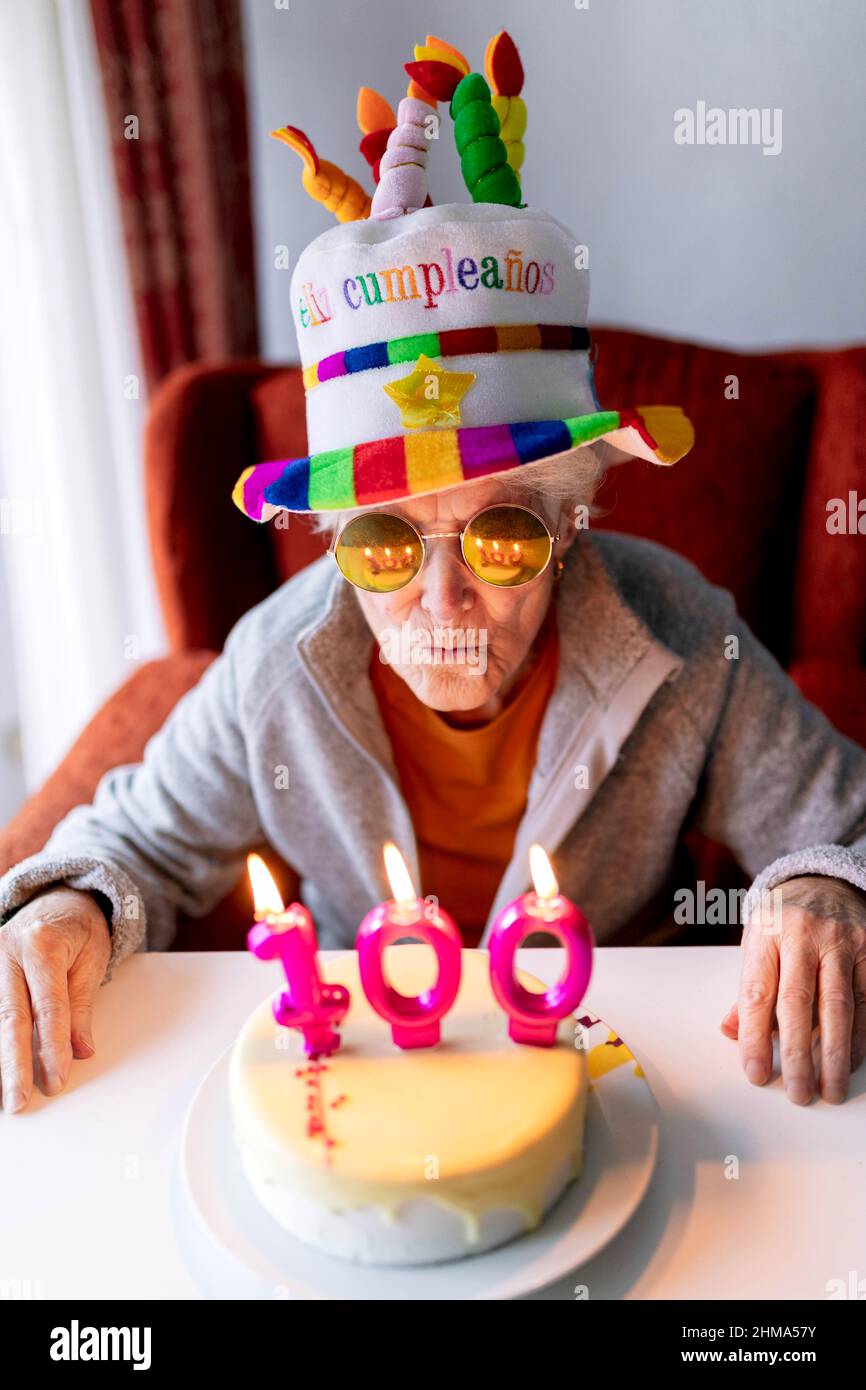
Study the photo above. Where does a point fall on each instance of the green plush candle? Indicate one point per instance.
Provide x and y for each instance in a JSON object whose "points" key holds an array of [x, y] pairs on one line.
{"points": [[483, 156]]}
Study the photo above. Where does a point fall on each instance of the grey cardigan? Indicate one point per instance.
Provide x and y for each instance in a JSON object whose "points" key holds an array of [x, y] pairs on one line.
{"points": [[666, 709]]}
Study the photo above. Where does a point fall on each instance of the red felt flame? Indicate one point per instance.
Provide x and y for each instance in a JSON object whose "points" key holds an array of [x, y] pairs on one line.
{"points": [[504, 68], [441, 80], [373, 146]]}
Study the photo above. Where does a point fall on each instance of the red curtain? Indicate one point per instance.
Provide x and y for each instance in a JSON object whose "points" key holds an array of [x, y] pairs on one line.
{"points": [[173, 79]]}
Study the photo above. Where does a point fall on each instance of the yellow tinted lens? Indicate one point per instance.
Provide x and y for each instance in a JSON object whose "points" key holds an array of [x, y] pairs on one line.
{"points": [[506, 546], [379, 552]]}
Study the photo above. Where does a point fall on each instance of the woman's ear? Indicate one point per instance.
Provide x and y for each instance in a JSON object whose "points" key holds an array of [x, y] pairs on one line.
{"points": [[566, 530]]}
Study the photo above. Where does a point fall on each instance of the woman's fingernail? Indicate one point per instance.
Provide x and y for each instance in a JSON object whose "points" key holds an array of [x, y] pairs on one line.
{"points": [[755, 1072], [799, 1092], [14, 1100], [84, 1043], [53, 1083], [834, 1095]]}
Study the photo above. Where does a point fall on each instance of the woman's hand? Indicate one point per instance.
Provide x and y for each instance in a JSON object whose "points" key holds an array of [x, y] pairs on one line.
{"points": [[805, 969], [53, 955]]}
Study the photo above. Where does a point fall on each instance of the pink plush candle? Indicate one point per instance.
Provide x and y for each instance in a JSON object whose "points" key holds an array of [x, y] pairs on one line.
{"points": [[414, 1020], [402, 186], [534, 1017], [288, 935]]}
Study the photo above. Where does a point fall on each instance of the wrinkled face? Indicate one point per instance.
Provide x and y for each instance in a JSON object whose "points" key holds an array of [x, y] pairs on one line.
{"points": [[457, 641]]}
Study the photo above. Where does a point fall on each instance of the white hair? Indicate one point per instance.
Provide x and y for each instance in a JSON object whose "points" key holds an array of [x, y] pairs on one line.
{"points": [[555, 486]]}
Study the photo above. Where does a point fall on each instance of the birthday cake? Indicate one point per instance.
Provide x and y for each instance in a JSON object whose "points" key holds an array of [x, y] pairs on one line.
{"points": [[389, 1156]]}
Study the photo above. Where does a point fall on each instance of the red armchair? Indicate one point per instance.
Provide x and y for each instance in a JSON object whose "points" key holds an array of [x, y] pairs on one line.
{"points": [[777, 438]]}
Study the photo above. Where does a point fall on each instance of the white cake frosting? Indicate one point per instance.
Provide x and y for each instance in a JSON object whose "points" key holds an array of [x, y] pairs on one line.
{"points": [[390, 1156]]}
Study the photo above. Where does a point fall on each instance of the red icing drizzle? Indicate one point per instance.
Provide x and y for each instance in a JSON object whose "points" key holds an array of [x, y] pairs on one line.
{"points": [[317, 1128]]}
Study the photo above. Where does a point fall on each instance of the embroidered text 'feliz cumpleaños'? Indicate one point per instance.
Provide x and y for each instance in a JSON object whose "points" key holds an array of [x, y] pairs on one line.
{"points": [[428, 281]]}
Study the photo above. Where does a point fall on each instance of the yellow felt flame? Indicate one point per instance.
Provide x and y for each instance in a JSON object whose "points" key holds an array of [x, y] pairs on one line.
{"points": [[438, 51], [423, 54], [446, 52]]}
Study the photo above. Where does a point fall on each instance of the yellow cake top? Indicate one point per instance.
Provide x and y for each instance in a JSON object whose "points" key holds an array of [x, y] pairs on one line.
{"points": [[476, 1120]]}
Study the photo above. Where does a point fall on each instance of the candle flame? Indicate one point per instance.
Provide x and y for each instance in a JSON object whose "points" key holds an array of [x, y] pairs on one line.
{"points": [[266, 894], [402, 890], [543, 877]]}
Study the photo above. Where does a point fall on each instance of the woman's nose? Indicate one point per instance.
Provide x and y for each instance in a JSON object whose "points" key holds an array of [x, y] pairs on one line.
{"points": [[446, 591]]}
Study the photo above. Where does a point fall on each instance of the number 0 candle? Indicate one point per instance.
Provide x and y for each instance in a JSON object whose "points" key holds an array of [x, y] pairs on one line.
{"points": [[288, 935], [534, 1017], [414, 1019]]}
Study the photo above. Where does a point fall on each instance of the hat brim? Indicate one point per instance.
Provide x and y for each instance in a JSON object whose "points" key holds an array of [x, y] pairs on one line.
{"points": [[425, 461]]}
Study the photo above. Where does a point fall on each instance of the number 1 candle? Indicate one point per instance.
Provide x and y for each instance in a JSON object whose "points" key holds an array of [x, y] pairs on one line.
{"points": [[289, 935]]}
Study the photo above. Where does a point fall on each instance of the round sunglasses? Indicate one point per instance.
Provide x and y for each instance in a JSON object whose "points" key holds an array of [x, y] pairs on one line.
{"points": [[504, 546]]}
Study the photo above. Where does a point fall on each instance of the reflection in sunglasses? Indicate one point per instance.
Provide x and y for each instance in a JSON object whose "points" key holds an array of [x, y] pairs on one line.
{"points": [[380, 569], [508, 559], [504, 546]]}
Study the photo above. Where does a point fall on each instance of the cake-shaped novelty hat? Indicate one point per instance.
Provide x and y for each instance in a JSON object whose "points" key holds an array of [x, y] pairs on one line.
{"points": [[441, 344]]}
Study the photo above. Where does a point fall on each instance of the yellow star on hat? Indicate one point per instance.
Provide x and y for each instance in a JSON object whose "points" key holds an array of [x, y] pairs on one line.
{"points": [[429, 395]]}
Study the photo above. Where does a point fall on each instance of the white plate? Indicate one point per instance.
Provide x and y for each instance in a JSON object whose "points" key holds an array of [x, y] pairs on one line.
{"points": [[621, 1143]]}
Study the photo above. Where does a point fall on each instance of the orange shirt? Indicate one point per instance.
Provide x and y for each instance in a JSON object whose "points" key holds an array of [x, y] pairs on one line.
{"points": [[466, 787]]}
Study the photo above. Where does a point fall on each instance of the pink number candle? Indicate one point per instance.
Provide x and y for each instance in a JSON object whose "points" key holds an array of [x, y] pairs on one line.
{"points": [[415, 1019], [288, 934], [534, 1017]]}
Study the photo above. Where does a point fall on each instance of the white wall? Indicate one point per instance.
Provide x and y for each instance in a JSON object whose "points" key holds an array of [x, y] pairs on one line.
{"points": [[717, 244], [11, 770]]}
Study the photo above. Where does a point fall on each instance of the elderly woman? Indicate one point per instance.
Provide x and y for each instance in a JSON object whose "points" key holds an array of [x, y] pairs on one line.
{"points": [[469, 670]]}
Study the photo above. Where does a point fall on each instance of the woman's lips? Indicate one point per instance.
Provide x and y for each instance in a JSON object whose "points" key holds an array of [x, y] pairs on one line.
{"points": [[442, 646]]}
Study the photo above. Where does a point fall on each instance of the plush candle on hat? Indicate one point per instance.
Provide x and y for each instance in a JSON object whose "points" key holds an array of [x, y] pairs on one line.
{"points": [[504, 72], [414, 1020], [402, 186], [483, 156], [288, 934], [534, 1017], [376, 120], [325, 182]]}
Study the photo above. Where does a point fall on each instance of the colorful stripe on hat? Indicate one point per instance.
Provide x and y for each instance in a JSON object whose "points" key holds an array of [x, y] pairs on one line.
{"points": [[431, 460], [450, 342]]}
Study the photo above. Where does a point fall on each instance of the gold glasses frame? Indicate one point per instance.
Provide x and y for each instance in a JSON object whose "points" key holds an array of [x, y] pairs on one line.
{"points": [[425, 536]]}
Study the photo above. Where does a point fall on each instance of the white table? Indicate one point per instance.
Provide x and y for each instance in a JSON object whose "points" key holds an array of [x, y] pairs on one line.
{"points": [[91, 1204]]}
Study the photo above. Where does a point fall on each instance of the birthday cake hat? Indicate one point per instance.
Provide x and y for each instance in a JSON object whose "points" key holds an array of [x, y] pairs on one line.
{"points": [[441, 344]]}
